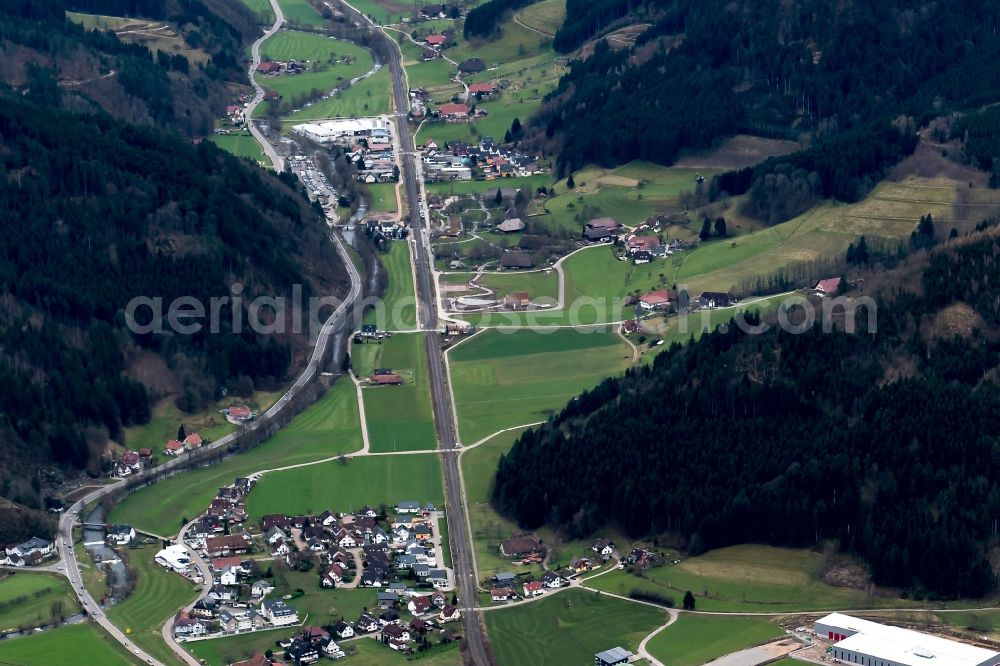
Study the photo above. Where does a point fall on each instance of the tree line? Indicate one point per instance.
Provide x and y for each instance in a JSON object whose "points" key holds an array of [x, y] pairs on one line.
{"points": [[794, 440]]}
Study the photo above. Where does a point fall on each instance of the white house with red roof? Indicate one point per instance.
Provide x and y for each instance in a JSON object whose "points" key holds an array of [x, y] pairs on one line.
{"points": [[484, 89], [193, 441], [435, 40], [173, 447], [453, 111], [659, 299]]}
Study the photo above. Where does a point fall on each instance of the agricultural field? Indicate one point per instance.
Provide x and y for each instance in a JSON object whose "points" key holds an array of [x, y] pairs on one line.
{"points": [[157, 595], [503, 378], [568, 628], [83, 643], [325, 58], [399, 418], [348, 486], [546, 16], [368, 97], [300, 12], [383, 198], [241, 144], [34, 599], [697, 639], [748, 578], [397, 310], [328, 428]]}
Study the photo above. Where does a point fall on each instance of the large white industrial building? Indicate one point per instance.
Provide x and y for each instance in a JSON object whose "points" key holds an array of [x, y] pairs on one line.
{"points": [[340, 129], [869, 643]]}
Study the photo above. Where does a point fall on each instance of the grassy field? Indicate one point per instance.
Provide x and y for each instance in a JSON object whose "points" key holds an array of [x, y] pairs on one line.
{"points": [[503, 378], [373, 653], [398, 310], [325, 57], [383, 11], [329, 427], [399, 418], [158, 594], [301, 12], [230, 649], [546, 16], [748, 578], [383, 198], [29, 599], [367, 97], [539, 285], [241, 145], [72, 644], [94, 579], [347, 487], [568, 628], [697, 639]]}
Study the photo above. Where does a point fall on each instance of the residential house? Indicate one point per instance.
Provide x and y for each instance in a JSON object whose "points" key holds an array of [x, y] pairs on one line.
{"points": [[185, 625], [280, 548], [302, 652], [598, 235], [449, 614], [33, 546], [345, 539], [367, 624], [394, 631], [552, 580], [274, 535], [504, 579], [435, 40], [193, 441], [205, 608], [386, 600], [268, 67], [261, 588], [279, 613], [333, 575], [502, 593], [581, 565], [331, 649], [481, 89], [471, 66], [173, 447], [121, 535], [228, 576], [239, 413], [452, 111], [439, 579], [604, 548], [231, 544], [420, 605], [275, 520], [642, 244], [408, 507], [223, 593], [343, 630], [533, 588], [516, 260]]}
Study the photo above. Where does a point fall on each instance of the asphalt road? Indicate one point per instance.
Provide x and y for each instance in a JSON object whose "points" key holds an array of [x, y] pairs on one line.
{"points": [[277, 161]]}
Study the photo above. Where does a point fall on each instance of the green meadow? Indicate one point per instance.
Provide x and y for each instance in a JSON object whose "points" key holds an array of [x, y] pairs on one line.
{"points": [[397, 310], [383, 197], [748, 578], [328, 428], [83, 643], [349, 485], [300, 12], [157, 596], [241, 145], [399, 418], [546, 16], [697, 639], [503, 378], [568, 628], [368, 97], [34, 599]]}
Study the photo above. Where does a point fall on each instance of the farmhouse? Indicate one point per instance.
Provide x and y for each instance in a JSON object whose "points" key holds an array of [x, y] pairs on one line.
{"points": [[827, 287], [471, 66], [269, 67], [453, 111], [385, 378], [616, 655], [519, 546], [598, 235], [515, 260], [607, 223], [517, 300], [660, 299], [481, 89], [714, 299], [643, 244], [435, 40], [860, 641]]}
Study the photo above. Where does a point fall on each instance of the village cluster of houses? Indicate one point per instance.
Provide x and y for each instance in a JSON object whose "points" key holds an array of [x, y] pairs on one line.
{"points": [[26, 554], [427, 611], [276, 67], [374, 160], [457, 159], [527, 549]]}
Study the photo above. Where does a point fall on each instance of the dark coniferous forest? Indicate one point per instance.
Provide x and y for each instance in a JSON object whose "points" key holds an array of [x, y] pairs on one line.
{"points": [[886, 444]]}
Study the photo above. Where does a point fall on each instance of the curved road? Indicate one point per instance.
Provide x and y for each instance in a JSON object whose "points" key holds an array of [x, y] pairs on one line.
{"points": [[277, 161]]}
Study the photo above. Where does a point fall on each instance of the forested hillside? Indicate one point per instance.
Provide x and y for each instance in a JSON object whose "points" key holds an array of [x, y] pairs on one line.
{"points": [[708, 69], [96, 212], [885, 442], [97, 69]]}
